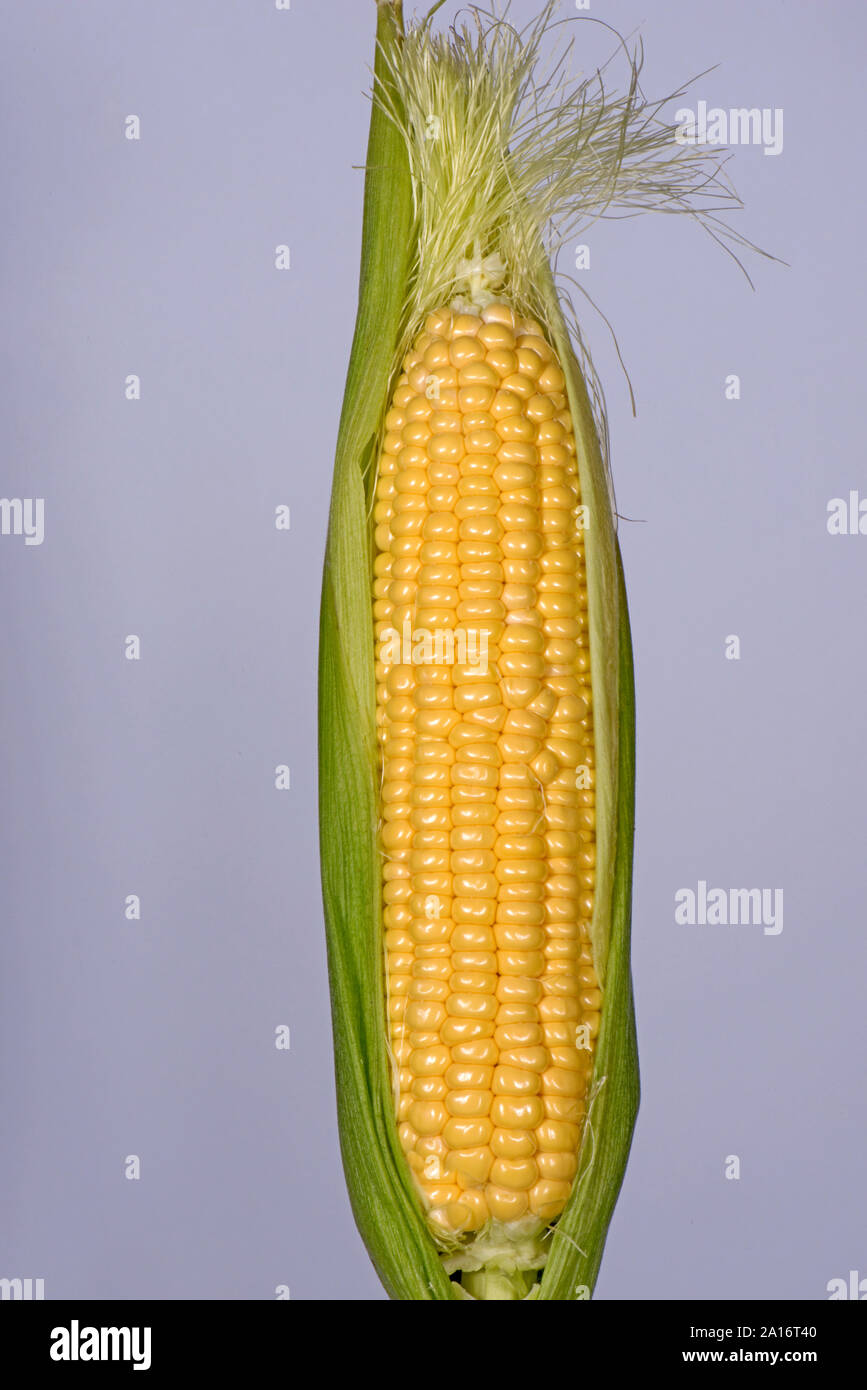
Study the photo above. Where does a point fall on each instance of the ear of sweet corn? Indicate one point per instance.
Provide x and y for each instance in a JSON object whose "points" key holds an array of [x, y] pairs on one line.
{"points": [[476, 806], [382, 1186]]}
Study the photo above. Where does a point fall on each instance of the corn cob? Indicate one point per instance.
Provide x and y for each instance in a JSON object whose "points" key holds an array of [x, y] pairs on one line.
{"points": [[476, 701], [488, 842]]}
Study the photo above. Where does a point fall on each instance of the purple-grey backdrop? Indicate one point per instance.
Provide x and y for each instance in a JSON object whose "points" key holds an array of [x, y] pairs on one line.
{"points": [[156, 777]]}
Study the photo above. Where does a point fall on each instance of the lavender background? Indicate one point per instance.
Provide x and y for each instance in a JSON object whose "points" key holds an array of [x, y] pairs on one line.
{"points": [[156, 777]]}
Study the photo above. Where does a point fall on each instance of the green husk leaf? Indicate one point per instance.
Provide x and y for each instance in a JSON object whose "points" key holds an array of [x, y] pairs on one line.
{"points": [[385, 1207]]}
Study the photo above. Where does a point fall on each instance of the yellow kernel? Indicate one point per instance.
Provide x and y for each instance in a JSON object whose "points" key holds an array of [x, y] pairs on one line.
{"points": [[512, 1112], [462, 1076], [514, 1173], [483, 1006], [462, 1132], [557, 1167], [467, 1104], [547, 1198], [430, 1061], [505, 1204], [427, 1117], [513, 1143], [473, 1164]]}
